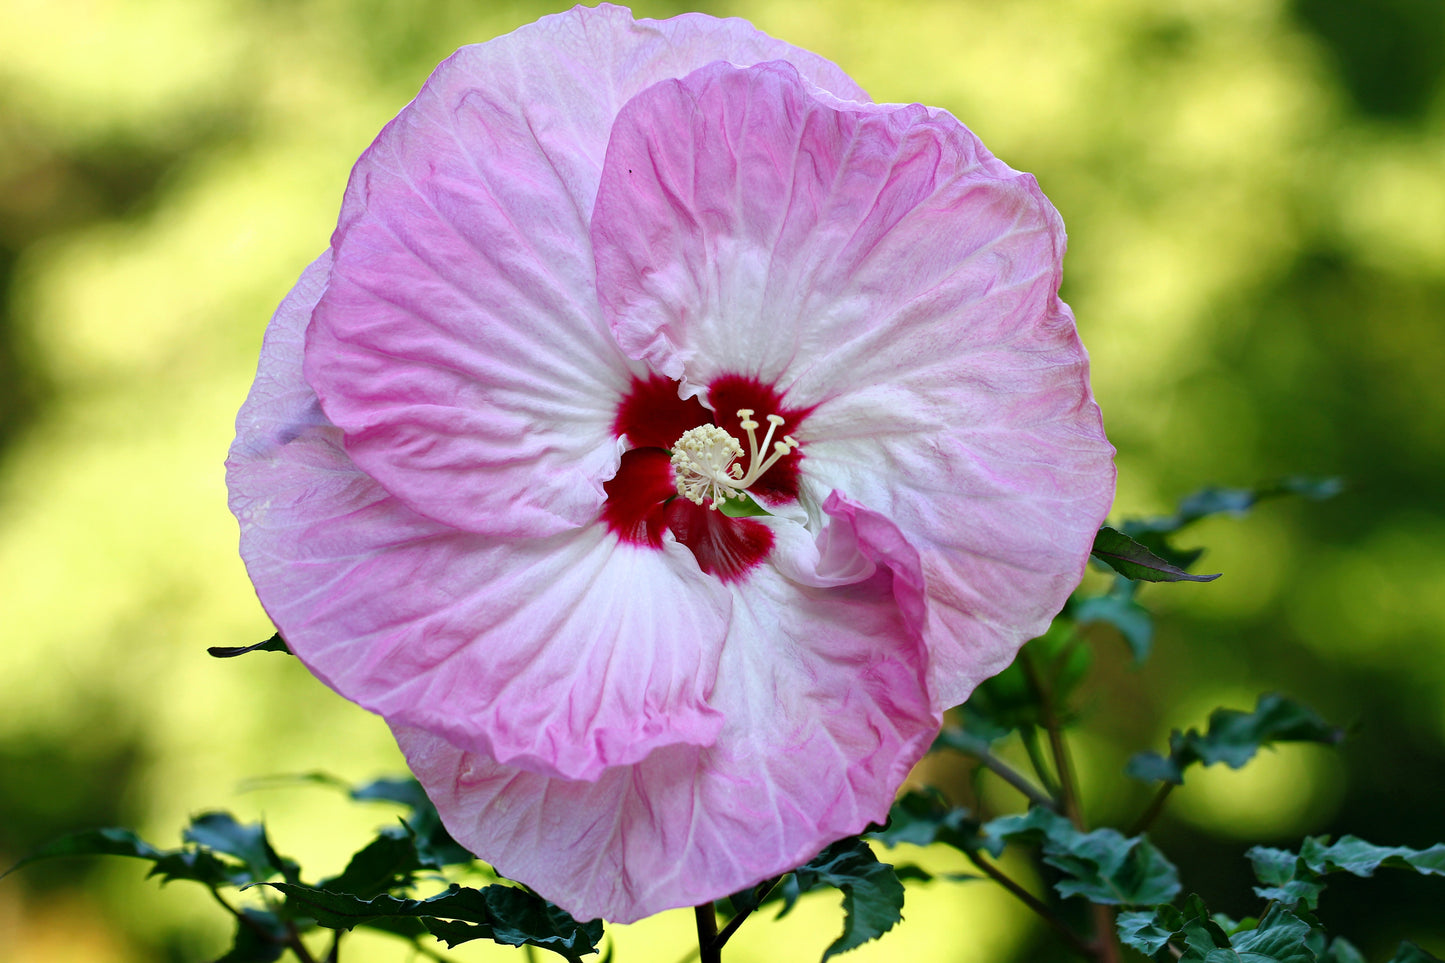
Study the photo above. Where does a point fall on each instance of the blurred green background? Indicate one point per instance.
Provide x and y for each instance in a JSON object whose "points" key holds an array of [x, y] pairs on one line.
{"points": [[1255, 193]]}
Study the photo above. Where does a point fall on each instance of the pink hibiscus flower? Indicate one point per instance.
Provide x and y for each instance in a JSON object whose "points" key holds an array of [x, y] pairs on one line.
{"points": [[668, 436]]}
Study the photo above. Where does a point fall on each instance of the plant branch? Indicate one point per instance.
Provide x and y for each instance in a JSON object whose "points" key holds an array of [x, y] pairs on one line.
{"points": [[708, 950], [760, 893], [1030, 739], [1014, 778], [1156, 806], [1032, 902]]}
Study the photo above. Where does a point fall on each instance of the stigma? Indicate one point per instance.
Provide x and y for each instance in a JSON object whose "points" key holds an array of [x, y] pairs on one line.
{"points": [[705, 460]]}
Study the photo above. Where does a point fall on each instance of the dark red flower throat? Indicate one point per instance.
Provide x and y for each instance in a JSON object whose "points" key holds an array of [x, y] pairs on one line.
{"points": [[642, 500]]}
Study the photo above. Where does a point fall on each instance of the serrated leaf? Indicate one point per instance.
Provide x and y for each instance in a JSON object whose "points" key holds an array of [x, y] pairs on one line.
{"points": [[1103, 866], [1233, 738], [1287, 880], [1279, 938], [435, 847], [1359, 858], [219, 832], [387, 862], [925, 818], [274, 644], [872, 894], [169, 864], [260, 938], [1133, 561], [1410, 953], [504, 914], [1142, 930]]}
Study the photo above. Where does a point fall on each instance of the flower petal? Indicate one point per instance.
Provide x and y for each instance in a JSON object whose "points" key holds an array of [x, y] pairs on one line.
{"points": [[563, 655], [459, 344], [879, 268], [824, 690]]}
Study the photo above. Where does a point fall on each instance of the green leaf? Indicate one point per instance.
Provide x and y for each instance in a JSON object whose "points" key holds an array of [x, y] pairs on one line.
{"points": [[1132, 620], [504, 914], [1133, 561], [1009, 700], [1142, 930], [388, 862], [925, 818], [1103, 866], [872, 894], [1287, 880], [198, 865], [274, 644], [260, 938], [1280, 937], [1410, 953], [435, 847], [1359, 858], [1233, 738], [1233, 501], [1341, 950], [219, 832]]}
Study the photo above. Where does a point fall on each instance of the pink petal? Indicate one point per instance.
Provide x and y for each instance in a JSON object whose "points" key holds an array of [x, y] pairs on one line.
{"points": [[824, 691], [459, 344], [563, 655], [876, 265]]}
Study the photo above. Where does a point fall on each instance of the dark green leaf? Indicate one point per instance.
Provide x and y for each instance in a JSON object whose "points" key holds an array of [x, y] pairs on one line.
{"points": [[260, 938], [1287, 880], [1132, 620], [1102, 866], [1341, 950], [1234, 737], [274, 644], [872, 894], [1197, 937], [387, 862], [924, 818], [1279, 938], [1410, 953], [435, 847], [1143, 931], [193, 864], [1133, 561], [1359, 858], [219, 832], [504, 914], [1232, 501]]}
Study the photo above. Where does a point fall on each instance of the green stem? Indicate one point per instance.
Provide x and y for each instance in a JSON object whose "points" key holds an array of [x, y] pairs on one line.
{"points": [[1105, 945], [708, 950], [1030, 739], [1156, 806], [1032, 902], [1014, 778]]}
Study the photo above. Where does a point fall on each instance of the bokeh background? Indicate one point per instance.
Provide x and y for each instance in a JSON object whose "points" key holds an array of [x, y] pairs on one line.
{"points": [[1255, 192]]}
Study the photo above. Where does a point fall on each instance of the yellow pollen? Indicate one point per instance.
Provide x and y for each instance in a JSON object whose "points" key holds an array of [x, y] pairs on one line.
{"points": [[704, 460]]}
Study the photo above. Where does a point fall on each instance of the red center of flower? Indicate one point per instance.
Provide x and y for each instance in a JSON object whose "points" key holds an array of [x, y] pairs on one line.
{"points": [[643, 500]]}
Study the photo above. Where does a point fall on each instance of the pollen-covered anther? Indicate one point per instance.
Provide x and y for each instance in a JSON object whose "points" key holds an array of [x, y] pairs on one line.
{"points": [[704, 460]]}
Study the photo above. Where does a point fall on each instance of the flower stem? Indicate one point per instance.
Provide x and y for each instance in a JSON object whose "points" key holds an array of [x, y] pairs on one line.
{"points": [[1032, 902], [1105, 946], [708, 948], [760, 893], [1156, 806], [1014, 778]]}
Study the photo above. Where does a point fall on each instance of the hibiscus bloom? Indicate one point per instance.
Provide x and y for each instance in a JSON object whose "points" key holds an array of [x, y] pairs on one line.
{"points": [[668, 436]]}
